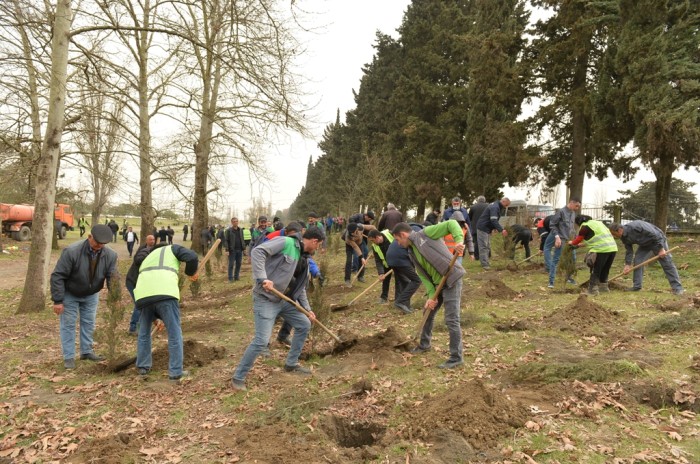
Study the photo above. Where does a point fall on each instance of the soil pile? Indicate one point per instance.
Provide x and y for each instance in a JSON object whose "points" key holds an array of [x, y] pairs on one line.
{"points": [[196, 354], [580, 315], [492, 288], [376, 343], [480, 414], [108, 450]]}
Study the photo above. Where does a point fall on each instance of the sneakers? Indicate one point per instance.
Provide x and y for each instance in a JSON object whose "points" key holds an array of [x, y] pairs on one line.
{"points": [[284, 341], [143, 371], [382, 301], [69, 364], [678, 291], [133, 333], [265, 353], [405, 309], [419, 349], [238, 385], [486, 268], [361, 279], [298, 369], [92, 357], [604, 288], [348, 283], [177, 378], [451, 364], [570, 281], [550, 285], [632, 289]]}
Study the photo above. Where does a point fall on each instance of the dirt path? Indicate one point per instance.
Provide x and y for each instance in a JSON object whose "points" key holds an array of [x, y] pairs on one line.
{"points": [[14, 271]]}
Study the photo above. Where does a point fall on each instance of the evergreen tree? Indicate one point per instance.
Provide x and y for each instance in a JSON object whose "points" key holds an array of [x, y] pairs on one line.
{"points": [[641, 204]]}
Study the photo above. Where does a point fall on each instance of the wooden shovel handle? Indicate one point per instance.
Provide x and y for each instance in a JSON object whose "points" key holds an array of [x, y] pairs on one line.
{"points": [[369, 288], [211, 251], [360, 270], [305, 312], [427, 312], [648, 261]]}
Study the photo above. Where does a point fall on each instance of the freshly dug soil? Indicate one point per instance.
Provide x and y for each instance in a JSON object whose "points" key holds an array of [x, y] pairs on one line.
{"points": [[492, 288], [376, 343], [196, 354], [512, 326], [580, 315], [479, 414], [115, 449]]}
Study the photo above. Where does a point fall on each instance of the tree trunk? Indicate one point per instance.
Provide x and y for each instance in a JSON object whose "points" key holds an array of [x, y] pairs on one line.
{"points": [[578, 120], [663, 170], [34, 294], [147, 216]]}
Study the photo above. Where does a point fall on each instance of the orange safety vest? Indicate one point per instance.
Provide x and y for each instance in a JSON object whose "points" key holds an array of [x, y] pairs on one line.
{"points": [[450, 241]]}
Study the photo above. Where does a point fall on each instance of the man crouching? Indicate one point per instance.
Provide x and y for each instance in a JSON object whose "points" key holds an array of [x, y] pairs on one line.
{"points": [[281, 263]]}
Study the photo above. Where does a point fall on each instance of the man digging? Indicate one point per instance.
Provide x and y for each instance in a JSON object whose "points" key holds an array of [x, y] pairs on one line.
{"points": [[430, 256]]}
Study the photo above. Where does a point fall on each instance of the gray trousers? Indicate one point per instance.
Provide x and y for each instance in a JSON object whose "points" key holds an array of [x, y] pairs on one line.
{"points": [[483, 240], [451, 298], [642, 254]]}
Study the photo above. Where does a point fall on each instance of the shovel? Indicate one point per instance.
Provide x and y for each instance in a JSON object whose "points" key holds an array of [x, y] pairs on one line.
{"points": [[359, 270], [426, 312], [648, 261], [346, 306], [341, 344]]}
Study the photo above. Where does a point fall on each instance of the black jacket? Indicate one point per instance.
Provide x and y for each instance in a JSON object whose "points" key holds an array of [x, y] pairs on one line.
{"points": [[475, 213], [132, 275], [72, 271]]}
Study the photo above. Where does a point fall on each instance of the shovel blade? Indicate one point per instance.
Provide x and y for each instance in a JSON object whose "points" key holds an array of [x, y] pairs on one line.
{"points": [[340, 307]]}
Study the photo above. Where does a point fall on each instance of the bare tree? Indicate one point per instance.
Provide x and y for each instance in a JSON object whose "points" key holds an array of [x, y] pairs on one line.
{"points": [[34, 294], [241, 54]]}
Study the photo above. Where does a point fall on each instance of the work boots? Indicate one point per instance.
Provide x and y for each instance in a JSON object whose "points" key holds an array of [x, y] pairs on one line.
{"points": [[593, 287]]}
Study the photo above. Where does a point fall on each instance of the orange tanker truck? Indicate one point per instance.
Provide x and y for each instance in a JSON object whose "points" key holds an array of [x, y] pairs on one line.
{"points": [[17, 220]]}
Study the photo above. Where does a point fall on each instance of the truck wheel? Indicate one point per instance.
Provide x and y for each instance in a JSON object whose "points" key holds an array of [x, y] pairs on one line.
{"points": [[62, 232], [24, 234]]}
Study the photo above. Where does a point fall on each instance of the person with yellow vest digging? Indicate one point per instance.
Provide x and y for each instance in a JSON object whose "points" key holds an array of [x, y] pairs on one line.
{"points": [[380, 244], [600, 253], [157, 295]]}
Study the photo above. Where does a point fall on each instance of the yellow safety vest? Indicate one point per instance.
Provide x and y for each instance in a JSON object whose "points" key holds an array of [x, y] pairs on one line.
{"points": [[377, 249], [158, 275], [602, 241]]}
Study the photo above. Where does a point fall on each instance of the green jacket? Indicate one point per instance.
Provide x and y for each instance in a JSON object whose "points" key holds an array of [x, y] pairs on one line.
{"points": [[431, 257]]}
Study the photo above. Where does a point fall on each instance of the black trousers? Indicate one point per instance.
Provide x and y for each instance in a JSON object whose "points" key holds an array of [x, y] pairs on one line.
{"points": [[601, 268], [407, 283]]}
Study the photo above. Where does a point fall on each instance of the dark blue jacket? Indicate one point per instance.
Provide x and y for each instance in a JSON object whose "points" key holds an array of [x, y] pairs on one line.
{"points": [[72, 271], [488, 221], [450, 211]]}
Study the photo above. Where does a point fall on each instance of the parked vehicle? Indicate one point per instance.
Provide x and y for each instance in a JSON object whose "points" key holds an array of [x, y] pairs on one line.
{"points": [[17, 220]]}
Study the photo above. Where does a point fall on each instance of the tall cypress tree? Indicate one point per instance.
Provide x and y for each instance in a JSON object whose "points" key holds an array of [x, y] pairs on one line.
{"points": [[658, 62]]}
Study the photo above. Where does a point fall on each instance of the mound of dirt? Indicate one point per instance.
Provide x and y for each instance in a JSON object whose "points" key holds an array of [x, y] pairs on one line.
{"points": [[109, 450], [676, 305], [512, 326], [581, 314], [480, 414], [492, 288], [196, 354], [378, 342]]}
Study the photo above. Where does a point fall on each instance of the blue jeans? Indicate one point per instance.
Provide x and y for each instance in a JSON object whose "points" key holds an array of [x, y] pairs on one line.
{"points": [[642, 254], [547, 250], [136, 313], [353, 261], [266, 312], [169, 312], [450, 297], [554, 260], [84, 307], [234, 256]]}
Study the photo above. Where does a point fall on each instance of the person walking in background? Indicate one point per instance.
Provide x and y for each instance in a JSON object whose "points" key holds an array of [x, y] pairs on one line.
{"points": [[171, 234], [131, 238], [206, 239], [600, 251], [185, 229], [389, 218], [132, 277], [487, 223], [329, 224], [561, 230], [162, 235], [431, 259], [114, 227], [157, 297], [474, 214], [650, 241], [82, 224], [234, 244], [79, 275]]}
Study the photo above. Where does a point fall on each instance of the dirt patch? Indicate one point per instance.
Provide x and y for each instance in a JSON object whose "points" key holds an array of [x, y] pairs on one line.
{"points": [[512, 326], [114, 449], [492, 288], [659, 395], [479, 414], [196, 354], [278, 443], [382, 341], [678, 305], [351, 433], [559, 350], [581, 315], [207, 326]]}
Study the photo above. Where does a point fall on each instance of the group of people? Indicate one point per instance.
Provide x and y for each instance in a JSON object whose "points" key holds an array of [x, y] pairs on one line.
{"points": [[282, 262]]}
